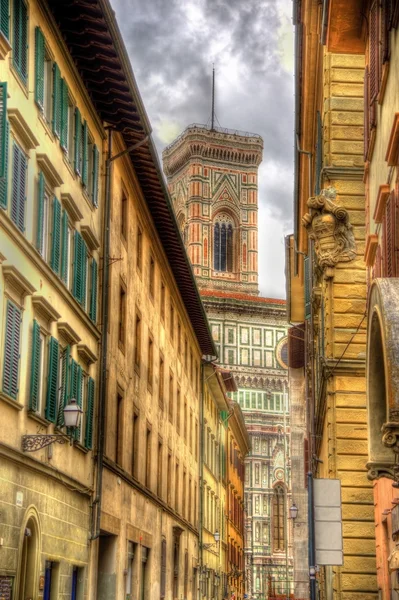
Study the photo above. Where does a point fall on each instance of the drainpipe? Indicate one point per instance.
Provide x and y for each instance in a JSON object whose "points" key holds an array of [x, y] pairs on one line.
{"points": [[104, 325]]}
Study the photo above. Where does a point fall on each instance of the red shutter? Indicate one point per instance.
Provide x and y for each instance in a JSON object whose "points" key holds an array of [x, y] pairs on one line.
{"points": [[374, 62], [390, 235], [366, 113], [377, 263]]}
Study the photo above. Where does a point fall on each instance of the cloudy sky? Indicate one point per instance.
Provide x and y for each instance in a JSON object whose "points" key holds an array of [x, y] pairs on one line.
{"points": [[172, 46]]}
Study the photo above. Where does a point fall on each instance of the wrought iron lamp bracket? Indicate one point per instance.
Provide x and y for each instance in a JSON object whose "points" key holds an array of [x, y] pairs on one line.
{"points": [[32, 443]]}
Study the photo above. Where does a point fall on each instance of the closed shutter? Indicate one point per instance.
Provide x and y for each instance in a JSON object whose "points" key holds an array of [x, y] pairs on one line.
{"points": [[52, 380], [377, 263], [64, 247], [19, 171], [385, 51], [78, 143], [3, 128], [11, 350], [374, 61], [39, 67], [64, 114], [96, 157], [76, 388], [35, 368], [89, 414], [20, 41], [85, 156], [40, 209], [57, 99], [319, 154], [77, 267], [163, 569], [296, 346], [65, 385], [5, 18], [366, 115], [55, 260], [84, 274], [390, 237], [307, 284], [4, 180], [93, 291]]}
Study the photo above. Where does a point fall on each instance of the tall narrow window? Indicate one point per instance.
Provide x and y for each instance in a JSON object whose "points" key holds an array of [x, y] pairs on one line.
{"points": [[11, 350], [137, 341], [160, 468], [151, 280], [171, 391], [178, 415], [20, 39], [124, 216], [19, 177], [169, 480], [163, 570], [278, 519], [148, 458], [150, 359], [177, 489], [184, 495], [178, 337], [223, 244], [162, 308], [135, 443], [122, 317], [172, 321], [139, 249], [161, 382], [119, 430], [185, 421]]}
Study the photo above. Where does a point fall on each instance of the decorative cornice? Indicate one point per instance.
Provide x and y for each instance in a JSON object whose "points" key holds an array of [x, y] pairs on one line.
{"points": [[345, 173], [392, 152], [50, 172], [370, 249], [70, 336], [86, 354], [90, 237], [382, 197], [17, 281], [21, 127], [45, 308], [71, 206]]}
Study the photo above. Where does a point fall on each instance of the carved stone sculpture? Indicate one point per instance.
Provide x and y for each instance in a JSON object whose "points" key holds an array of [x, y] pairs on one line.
{"points": [[328, 225]]}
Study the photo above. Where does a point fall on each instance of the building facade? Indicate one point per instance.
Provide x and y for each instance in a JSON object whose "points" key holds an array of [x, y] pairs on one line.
{"points": [[51, 240], [212, 177], [327, 279]]}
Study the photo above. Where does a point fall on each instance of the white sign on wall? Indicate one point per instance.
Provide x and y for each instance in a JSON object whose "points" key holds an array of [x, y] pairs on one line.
{"points": [[328, 521]]}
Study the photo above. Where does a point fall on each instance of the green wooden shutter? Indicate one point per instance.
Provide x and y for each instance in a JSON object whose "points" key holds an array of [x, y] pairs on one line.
{"points": [[76, 388], [78, 143], [52, 380], [40, 208], [3, 127], [307, 282], [4, 180], [64, 114], [85, 155], [89, 414], [56, 100], [77, 266], [18, 199], [39, 67], [35, 368], [96, 160], [5, 18], [84, 274], [56, 237], [93, 291], [64, 247], [65, 385], [11, 350], [20, 41]]}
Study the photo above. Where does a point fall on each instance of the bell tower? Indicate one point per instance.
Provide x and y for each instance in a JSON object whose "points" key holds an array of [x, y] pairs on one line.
{"points": [[213, 181]]}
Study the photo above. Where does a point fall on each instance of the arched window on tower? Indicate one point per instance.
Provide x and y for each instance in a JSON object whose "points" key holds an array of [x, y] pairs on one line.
{"points": [[223, 244], [278, 519]]}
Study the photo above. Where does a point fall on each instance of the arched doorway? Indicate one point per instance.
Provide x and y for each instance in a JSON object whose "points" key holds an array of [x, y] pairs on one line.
{"points": [[29, 557]]}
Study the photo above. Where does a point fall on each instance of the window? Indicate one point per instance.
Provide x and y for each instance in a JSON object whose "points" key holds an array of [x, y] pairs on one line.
{"points": [[148, 458], [70, 118], [119, 429], [11, 350], [151, 279], [171, 389], [18, 196], [139, 249], [50, 580], [43, 75], [131, 547], [162, 307], [223, 244], [185, 421], [196, 439], [135, 443], [183, 508], [169, 480], [79, 283], [178, 416], [163, 570], [278, 519], [42, 222], [137, 341], [177, 490], [124, 216], [161, 382], [172, 321], [122, 318], [160, 469], [37, 375], [178, 337], [20, 39], [150, 365], [93, 290]]}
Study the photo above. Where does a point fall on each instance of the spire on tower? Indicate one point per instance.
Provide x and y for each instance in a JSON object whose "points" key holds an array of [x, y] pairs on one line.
{"points": [[213, 99]]}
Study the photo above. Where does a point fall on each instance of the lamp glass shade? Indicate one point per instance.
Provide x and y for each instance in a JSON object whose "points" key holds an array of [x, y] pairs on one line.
{"points": [[293, 511], [72, 414], [216, 536]]}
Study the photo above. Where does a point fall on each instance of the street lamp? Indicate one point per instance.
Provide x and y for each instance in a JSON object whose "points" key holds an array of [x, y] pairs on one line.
{"points": [[72, 418], [293, 511], [216, 536]]}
